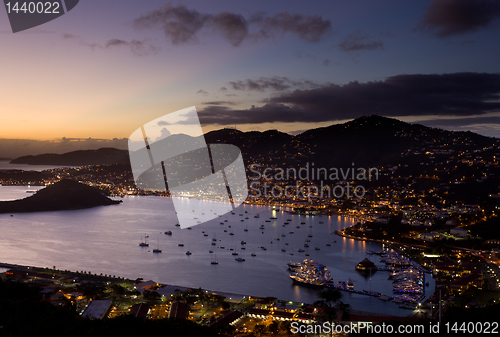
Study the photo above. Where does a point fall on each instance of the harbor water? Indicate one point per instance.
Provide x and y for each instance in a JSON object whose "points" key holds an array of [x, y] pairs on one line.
{"points": [[106, 240]]}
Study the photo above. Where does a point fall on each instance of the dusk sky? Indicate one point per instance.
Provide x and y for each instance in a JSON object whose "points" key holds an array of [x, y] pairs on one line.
{"points": [[108, 67]]}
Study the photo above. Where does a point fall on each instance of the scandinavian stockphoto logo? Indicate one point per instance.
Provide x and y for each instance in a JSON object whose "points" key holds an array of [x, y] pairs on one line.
{"points": [[28, 14], [205, 180]]}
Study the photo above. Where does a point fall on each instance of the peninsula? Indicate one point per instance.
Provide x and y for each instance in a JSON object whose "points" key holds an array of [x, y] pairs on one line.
{"points": [[63, 195]]}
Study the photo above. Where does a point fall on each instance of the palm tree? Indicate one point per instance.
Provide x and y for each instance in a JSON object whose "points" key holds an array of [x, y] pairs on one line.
{"points": [[330, 303]]}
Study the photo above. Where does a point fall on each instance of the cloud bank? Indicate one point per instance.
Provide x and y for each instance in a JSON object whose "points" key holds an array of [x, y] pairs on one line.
{"points": [[457, 94]]}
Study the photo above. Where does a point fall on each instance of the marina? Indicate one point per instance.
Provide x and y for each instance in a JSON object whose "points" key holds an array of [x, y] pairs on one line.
{"points": [[107, 242]]}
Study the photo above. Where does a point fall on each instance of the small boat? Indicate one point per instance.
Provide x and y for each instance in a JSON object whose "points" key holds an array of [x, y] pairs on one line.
{"points": [[243, 242], [181, 244], [316, 248], [253, 254], [257, 216], [239, 259], [214, 261], [301, 250], [235, 253], [168, 233], [231, 233], [188, 253], [144, 243], [177, 225], [157, 249], [211, 251]]}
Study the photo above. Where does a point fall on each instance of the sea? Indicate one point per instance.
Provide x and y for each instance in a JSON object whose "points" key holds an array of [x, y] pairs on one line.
{"points": [[106, 240]]}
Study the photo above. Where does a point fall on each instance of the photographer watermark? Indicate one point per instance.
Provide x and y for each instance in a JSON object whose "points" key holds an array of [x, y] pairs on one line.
{"points": [[310, 182]]}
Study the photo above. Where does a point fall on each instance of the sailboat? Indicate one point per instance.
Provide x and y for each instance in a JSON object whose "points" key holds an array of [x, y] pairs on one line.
{"points": [[157, 249], [144, 243], [188, 252], [215, 260]]}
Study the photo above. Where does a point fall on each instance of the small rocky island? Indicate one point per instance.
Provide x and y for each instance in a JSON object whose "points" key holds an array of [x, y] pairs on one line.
{"points": [[63, 195]]}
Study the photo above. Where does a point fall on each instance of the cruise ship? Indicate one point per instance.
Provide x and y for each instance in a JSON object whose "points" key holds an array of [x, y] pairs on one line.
{"points": [[311, 274]]}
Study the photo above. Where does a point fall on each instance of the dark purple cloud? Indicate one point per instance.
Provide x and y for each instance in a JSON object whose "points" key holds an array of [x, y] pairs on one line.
{"points": [[182, 25], [445, 18], [219, 103], [458, 94], [140, 48], [273, 83], [137, 47], [360, 41], [308, 28]]}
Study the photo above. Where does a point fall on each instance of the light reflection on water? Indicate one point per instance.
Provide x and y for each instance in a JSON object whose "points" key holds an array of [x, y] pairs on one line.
{"points": [[106, 240]]}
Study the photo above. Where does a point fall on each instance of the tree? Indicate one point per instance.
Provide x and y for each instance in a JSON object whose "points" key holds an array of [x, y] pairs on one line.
{"points": [[260, 329], [330, 303], [274, 327]]}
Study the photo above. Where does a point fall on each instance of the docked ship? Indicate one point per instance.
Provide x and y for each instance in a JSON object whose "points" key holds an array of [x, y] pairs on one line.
{"points": [[311, 274]]}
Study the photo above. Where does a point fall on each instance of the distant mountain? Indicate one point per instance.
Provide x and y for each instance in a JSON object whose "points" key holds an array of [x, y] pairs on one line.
{"points": [[368, 141], [103, 156], [63, 195]]}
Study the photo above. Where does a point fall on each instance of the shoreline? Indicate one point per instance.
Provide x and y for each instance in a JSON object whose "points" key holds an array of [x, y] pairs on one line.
{"points": [[109, 278]]}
